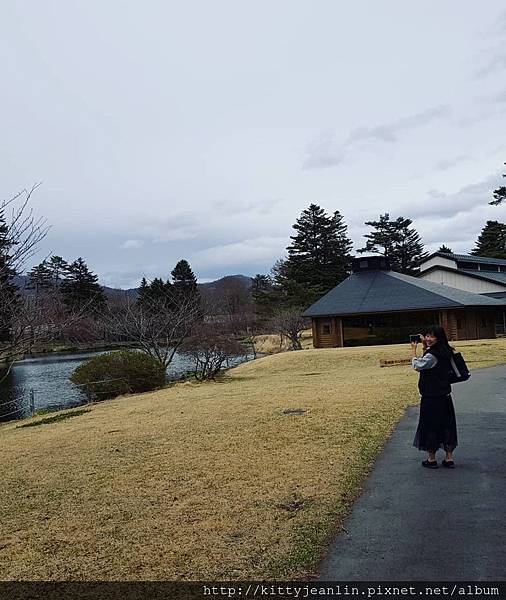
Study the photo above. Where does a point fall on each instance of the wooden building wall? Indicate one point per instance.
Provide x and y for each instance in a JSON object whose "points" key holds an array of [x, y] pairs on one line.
{"points": [[471, 324], [459, 324], [327, 332]]}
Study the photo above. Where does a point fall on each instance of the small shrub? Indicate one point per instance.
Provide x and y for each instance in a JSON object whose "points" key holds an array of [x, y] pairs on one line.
{"points": [[115, 373]]}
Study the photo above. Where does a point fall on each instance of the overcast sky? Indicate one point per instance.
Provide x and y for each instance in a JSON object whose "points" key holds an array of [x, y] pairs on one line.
{"points": [[164, 130]]}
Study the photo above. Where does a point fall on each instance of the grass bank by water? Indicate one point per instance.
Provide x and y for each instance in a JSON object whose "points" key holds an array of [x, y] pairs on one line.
{"points": [[249, 477]]}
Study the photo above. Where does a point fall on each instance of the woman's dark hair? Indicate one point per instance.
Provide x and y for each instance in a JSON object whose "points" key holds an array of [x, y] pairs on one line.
{"points": [[442, 340]]}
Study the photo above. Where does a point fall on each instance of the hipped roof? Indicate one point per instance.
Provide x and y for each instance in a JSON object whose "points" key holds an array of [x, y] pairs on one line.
{"points": [[386, 291]]}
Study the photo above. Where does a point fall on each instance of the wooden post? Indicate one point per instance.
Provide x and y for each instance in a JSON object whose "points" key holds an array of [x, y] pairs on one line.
{"points": [[32, 403], [338, 324]]}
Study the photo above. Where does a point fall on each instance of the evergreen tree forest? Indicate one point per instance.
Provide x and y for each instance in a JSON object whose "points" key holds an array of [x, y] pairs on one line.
{"points": [[80, 289], [158, 291]]}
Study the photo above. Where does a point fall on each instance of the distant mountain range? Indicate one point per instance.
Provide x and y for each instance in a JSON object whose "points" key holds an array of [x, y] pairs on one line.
{"points": [[229, 280]]}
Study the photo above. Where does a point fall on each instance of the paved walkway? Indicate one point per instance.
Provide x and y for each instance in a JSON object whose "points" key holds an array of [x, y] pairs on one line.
{"points": [[419, 524]]}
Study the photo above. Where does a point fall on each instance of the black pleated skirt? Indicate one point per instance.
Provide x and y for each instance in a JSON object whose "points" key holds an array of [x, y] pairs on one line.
{"points": [[437, 427]]}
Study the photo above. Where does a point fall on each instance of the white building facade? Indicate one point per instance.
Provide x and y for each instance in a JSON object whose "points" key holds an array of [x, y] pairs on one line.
{"points": [[477, 274]]}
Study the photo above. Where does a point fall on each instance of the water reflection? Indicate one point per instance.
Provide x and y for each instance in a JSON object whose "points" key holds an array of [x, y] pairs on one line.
{"points": [[49, 378]]}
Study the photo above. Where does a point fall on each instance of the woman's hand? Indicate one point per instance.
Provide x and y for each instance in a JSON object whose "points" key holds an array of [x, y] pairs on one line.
{"points": [[413, 348]]}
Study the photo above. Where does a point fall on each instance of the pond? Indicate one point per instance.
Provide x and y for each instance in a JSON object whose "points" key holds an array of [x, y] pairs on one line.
{"points": [[46, 379]]}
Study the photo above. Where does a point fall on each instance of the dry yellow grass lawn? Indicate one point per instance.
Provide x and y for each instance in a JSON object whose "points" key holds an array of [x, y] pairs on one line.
{"points": [[210, 481]]}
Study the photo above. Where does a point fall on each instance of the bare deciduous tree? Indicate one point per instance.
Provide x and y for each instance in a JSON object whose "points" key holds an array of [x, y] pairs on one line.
{"points": [[210, 351], [25, 230], [41, 318], [290, 324], [230, 305], [158, 327], [20, 320]]}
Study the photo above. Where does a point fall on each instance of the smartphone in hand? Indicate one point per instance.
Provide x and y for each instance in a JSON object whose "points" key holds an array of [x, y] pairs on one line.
{"points": [[415, 338]]}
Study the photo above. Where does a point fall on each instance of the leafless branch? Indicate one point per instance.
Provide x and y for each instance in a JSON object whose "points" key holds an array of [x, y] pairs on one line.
{"points": [[157, 326], [25, 230], [290, 324]]}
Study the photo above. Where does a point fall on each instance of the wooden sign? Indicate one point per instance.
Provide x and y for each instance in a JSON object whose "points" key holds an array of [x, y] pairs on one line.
{"points": [[394, 362]]}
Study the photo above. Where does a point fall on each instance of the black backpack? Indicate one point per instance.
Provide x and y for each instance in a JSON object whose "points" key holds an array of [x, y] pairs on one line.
{"points": [[459, 370]]}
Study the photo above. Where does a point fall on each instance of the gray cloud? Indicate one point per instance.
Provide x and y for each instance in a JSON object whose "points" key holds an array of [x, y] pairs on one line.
{"points": [[132, 244], [189, 151], [179, 226], [325, 152], [390, 132], [500, 97], [234, 207], [482, 116], [500, 26], [494, 64], [438, 204], [449, 163], [256, 251]]}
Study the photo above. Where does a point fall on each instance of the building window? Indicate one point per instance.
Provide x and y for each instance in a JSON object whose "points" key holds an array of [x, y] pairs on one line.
{"points": [[395, 328], [492, 268], [468, 266], [326, 329]]}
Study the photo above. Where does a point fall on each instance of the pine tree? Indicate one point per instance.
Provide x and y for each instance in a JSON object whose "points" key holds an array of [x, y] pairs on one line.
{"points": [[143, 292], [40, 277], [8, 291], [156, 295], [499, 194], [58, 267], [184, 283], [318, 257], [48, 274], [184, 280], [445, 250], [261, 292], [287, 292], [491, 241], [396, 240], [80, 288], [159, 290]]}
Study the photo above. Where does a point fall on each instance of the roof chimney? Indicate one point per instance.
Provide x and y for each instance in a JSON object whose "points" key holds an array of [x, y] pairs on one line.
{"points": [[370, 263]]}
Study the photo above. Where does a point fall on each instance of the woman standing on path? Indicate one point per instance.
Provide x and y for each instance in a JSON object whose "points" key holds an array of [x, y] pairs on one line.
{"points": [[437, 427]]}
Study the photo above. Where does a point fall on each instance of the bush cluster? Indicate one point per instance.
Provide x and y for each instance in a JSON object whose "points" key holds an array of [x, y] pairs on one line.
{"points": [[120, 372]]}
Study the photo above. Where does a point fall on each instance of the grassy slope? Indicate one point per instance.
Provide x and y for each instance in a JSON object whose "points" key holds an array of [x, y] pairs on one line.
{"points": [[205, 481]]}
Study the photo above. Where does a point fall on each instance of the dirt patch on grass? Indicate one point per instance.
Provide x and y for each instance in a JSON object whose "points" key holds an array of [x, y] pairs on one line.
{"points": [[210, 481]]}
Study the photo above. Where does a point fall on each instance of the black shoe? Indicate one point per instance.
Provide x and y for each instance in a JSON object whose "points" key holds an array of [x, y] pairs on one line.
{"points": [[430, 464], [449, 464]]}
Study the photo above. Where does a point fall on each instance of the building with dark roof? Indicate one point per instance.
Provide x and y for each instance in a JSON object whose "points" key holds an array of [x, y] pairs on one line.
{"points": [[376, 305]]}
